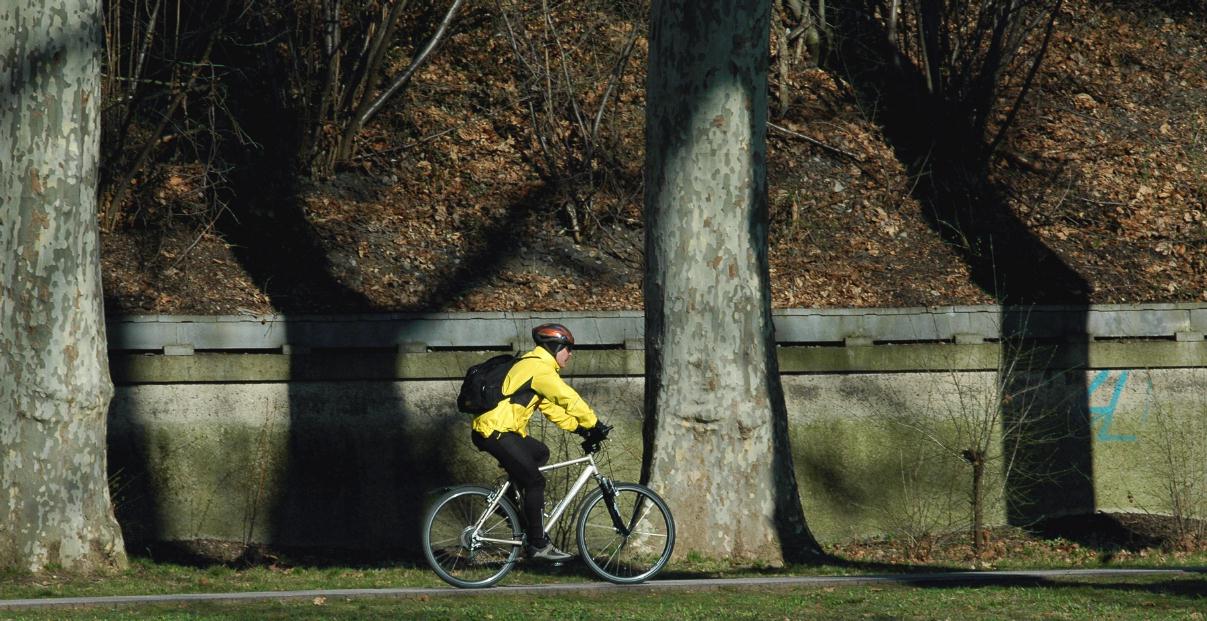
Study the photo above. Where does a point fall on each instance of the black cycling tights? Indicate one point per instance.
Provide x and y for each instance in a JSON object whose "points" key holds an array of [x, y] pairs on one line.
{"points": [[520, 457]]}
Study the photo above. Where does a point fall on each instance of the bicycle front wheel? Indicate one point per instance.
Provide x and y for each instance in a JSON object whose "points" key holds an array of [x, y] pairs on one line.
{"points": [[626, 538], [462, 555]]}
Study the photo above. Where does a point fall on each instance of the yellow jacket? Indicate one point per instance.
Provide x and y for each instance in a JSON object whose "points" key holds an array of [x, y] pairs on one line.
{"points": [[557, 401]]}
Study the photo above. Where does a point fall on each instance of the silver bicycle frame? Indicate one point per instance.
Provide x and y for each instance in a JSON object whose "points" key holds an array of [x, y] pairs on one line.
{"points": [[561, 507]]}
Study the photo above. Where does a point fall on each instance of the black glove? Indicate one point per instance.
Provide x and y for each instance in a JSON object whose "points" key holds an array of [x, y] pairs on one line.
{"points": [[599, 432], [594, 436]]}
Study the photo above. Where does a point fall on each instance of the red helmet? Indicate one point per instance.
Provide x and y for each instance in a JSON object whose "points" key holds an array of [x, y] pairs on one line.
{"points": [[553, 337]]}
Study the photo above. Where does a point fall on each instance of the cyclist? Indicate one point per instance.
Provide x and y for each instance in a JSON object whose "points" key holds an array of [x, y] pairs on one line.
{"points": [[534, 383]]}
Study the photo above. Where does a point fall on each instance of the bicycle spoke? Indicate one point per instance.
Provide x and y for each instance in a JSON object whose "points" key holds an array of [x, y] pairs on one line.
{"points": [[629, 558], [459, 556], [612, 557]]}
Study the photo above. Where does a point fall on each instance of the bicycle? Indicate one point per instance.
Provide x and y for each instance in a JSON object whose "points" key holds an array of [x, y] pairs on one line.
{"points": [[472, 535]]}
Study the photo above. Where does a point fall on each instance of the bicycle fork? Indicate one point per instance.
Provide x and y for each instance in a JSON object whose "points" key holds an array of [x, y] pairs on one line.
{"points": [[609, 496]]}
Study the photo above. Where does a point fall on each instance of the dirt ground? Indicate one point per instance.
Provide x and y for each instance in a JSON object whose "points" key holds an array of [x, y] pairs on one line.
{"points": [[1079, 540], [1091, 541], [447, 209]]}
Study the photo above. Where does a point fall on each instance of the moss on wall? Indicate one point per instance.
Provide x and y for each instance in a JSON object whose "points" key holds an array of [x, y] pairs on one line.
{"points": [[352, 464]]}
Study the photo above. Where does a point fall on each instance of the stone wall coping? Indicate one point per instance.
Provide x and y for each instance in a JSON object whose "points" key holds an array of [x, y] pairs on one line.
{"points": [[606, 329]]}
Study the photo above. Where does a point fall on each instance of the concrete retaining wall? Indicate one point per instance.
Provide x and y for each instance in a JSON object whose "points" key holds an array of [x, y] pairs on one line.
{"points": [[881, 453], [348, 464], [340, 449]]}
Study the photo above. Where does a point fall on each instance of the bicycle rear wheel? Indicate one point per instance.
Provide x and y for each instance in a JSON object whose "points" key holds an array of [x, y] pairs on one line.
{"points": [[630, 544], [456, 553]]}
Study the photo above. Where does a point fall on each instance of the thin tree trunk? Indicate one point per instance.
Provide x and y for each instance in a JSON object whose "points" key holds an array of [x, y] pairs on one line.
{"points": [[716, 425], [54, 376], [977, 459], [371, 106], [114, 209]]}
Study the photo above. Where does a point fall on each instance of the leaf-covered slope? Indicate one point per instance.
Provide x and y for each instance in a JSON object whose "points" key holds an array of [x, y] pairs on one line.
{"points": [[455, 203]]}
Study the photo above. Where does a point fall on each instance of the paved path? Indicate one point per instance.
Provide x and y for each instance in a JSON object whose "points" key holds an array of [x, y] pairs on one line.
{"points": [[985, 577]]}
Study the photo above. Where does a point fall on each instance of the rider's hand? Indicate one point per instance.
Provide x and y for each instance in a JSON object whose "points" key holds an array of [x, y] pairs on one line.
{"points": [[598, 432], [594, 436]]}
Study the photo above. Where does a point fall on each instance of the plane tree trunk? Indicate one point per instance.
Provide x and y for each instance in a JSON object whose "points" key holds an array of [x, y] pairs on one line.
{"points": [[55, 509], [716, 425]]}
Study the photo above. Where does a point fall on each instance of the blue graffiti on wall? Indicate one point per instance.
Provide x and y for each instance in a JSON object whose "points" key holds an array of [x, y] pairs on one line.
{"points": [[1104, 415]]}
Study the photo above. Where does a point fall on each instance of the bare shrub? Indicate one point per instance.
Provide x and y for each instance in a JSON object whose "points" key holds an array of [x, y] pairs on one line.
{"points": [[994, 426], [580, 89], [1178, 446]]}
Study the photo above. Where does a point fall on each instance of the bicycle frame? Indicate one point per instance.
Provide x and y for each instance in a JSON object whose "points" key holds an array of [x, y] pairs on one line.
{"points": [[589, 471], [625, 534]]}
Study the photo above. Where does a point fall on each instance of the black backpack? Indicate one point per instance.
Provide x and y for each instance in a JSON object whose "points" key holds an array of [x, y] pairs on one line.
{"points": [[482, 389]]}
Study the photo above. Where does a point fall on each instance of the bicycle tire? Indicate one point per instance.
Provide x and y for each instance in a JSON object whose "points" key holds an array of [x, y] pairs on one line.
{"points": [[447, 544], [626, 558]]}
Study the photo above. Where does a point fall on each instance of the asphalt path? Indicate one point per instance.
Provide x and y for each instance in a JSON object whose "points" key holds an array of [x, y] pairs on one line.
{"points": [[918, 579]]}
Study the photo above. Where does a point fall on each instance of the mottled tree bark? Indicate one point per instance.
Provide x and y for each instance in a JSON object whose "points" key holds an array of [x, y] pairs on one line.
{"points": [[716, 426], [55, 508]]}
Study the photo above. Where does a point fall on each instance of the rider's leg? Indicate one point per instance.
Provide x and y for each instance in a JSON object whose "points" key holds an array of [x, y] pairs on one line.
{"points": [[521, 457], [539, 547]]}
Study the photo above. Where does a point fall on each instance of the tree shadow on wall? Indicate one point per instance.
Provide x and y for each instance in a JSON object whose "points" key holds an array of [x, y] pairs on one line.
{"points": [[359, 459], [949, 157], [354, 468]]}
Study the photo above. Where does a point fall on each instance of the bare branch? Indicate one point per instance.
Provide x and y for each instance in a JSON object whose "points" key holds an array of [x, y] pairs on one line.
{"points": [[416, 63], [813, 141]]}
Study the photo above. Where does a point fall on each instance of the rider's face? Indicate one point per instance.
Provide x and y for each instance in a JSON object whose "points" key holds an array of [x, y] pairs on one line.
{"points": [[563, 357]]}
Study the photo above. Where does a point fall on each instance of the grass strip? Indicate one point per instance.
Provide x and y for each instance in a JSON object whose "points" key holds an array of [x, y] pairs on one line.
{"points": [[1123, 597]]}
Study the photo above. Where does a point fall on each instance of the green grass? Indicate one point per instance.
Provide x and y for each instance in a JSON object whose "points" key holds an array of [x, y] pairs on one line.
{"points": [[146, 577], [1169, 597], [1182, 597]]}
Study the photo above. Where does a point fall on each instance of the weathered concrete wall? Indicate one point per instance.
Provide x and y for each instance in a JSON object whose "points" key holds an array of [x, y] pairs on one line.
{"points": [[340, 464], [880, 453], [350, 463]]}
